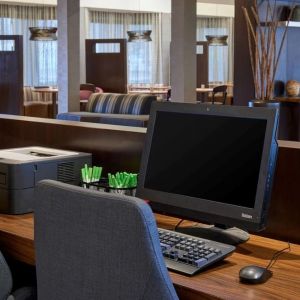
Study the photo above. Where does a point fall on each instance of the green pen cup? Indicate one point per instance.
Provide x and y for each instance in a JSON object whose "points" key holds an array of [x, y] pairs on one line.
{"points": [[123, 191], [103, 186]]}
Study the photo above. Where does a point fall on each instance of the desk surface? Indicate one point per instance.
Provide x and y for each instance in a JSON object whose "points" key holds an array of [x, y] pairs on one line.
{"points": [[218, 282]]}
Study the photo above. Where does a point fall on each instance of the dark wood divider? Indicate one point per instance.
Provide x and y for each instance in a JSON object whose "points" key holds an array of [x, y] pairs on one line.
{"points": [[116, 148], [106, 64], [202, 64], [11, 75], [119, 148]]}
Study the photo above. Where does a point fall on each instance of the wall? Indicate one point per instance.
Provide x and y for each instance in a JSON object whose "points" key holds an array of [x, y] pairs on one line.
{"points": [[293, 54], [164, 6]]}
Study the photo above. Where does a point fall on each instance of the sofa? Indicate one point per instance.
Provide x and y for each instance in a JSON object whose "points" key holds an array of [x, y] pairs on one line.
{"points": [[115, 109]]}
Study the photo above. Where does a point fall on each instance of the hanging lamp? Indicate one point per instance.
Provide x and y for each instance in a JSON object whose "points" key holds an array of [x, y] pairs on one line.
{"points": [[43, 33], [217, 40], [139, 35]]}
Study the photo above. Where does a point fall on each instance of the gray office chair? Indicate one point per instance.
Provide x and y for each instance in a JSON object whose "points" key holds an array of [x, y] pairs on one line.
{"points": [[6, 283], [94, 245]]}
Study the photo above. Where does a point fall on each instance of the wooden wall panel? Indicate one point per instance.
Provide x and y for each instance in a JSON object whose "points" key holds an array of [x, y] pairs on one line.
{"points": [[284, 221], [119, 148], [116, 148], [107, 70], [11, 77], [202, 65], [243, 81]]}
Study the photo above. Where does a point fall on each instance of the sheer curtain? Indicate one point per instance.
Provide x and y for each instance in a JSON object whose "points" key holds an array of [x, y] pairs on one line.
{"points": [[220, 57], [144, 58], [40, 58]]}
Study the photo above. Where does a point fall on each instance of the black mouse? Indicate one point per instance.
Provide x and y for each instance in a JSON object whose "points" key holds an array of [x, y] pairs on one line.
{"points": [[254, 274]]}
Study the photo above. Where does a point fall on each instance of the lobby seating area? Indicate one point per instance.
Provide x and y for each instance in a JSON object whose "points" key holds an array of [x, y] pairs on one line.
{"points": [[116, 109], [176, 157]]}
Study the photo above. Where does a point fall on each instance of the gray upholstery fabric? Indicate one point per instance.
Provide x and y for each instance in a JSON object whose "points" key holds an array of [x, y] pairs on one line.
{"points": [[6, 283], [93, 245], [25, 293], [5, 279], [104, 118]]}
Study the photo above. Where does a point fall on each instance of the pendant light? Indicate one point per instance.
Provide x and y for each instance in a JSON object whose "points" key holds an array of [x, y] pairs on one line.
{"points": [[43, 33], [139, 35], [217, 40]]}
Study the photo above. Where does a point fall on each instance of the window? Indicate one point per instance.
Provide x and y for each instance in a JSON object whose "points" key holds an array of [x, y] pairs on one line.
{"points": [[40, 58]]}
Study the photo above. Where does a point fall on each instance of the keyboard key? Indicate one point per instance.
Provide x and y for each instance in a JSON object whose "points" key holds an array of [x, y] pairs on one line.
{"points": [[165, 246], [211, 255], [200, 262]]}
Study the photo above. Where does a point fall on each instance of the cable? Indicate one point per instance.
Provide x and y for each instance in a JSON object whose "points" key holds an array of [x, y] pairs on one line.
{"points": [[276, 256], [177, 225]]}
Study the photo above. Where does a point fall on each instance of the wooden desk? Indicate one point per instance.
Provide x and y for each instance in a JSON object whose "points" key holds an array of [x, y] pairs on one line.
{"points": [[218, 282]]}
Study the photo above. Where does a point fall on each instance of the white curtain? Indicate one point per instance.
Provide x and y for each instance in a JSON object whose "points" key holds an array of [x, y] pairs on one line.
{"points": [[220, 57], [144, 62], [40, 58]]}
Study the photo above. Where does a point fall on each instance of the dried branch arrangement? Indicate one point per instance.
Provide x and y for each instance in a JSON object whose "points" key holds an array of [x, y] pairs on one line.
{"points": [[264, 49]]}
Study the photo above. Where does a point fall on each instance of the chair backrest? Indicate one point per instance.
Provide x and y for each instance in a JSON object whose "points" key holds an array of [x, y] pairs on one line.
{"points": [[219, 89], [94, 245], [5, 279], [111, 103], [88, 87]]}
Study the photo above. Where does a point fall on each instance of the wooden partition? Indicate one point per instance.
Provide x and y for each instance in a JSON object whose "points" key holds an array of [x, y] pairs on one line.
{"points": [[106, 64], [202, 63], [119, 148], [11, 74], [116, 148]]}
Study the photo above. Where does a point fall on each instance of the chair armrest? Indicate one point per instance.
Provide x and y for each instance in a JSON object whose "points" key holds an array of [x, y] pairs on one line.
{"points": [[24, 293]]}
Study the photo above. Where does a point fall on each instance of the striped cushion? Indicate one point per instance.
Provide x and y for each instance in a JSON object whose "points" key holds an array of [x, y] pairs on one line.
{"points": [[134, 104]]}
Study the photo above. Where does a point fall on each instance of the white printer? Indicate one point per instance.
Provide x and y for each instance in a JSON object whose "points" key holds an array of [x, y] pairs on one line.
{"points": [[22, 168]]}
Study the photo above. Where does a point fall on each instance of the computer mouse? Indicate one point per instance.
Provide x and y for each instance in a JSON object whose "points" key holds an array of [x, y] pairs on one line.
{"points": [[254, 274]]}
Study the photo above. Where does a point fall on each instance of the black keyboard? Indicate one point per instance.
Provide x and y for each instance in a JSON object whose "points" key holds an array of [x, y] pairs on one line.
{"points": [[187, 254]]}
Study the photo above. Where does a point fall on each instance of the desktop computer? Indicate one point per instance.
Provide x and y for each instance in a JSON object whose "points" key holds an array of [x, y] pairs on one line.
{"points": [[212, 164]]}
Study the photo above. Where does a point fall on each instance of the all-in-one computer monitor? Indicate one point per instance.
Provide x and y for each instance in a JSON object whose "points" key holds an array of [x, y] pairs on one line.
{"points": [[210, 163]]}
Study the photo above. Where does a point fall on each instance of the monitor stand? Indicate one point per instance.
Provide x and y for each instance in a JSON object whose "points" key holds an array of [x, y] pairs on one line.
{"points": [[231, 236]]}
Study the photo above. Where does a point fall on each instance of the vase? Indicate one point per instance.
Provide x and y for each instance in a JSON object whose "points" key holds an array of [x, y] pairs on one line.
{"points": [[292, 88]]}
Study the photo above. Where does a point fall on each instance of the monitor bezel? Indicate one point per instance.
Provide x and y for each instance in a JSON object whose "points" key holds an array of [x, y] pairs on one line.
{"points": [[252, 219]]}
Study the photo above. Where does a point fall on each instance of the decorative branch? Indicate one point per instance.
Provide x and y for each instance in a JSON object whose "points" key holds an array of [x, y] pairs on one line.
{"points": [[262, 43]]}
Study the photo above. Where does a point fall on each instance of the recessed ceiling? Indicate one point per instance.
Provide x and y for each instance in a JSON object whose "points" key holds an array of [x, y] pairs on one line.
{"points": [[231, 2]]}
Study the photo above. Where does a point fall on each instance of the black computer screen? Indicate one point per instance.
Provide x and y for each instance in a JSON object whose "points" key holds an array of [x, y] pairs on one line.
{"points": [[207, 156]]}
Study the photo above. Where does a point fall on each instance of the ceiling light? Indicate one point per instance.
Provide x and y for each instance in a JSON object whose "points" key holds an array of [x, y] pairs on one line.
{"points": [[43, 33], [217, 40], [139, 35]]}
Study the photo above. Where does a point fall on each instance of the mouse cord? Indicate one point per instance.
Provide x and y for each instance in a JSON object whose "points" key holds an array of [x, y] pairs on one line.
{"points": [[277, 254], [177, 225]]}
